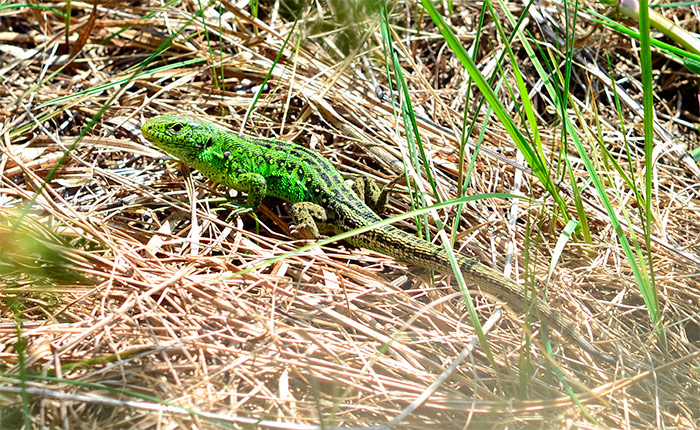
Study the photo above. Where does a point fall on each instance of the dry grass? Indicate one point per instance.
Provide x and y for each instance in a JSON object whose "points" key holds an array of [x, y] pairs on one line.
{"points": [[123, 304]]}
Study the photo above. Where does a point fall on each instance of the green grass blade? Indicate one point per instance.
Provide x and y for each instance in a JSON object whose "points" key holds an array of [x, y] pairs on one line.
{"points": [[533, 159], [263, 84], [649, 291]]}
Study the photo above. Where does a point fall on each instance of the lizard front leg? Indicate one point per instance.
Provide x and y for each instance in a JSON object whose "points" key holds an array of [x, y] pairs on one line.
{"points": [[305, 216], [252, 183]]}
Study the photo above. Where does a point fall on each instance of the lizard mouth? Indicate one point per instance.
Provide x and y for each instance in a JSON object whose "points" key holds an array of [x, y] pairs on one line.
{"points": [[148, 133], [167, 130], [153, 132]]}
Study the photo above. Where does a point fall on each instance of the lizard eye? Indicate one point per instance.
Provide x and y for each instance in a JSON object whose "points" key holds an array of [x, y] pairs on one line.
{"points": [[177, 127]]}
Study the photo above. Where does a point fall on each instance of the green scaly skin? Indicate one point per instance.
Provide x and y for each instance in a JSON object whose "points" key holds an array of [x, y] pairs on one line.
{"points": [[320, 197]]}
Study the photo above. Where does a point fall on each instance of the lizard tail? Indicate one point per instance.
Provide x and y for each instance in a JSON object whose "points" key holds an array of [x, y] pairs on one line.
{"points": [[494, 283], [413, 250]]}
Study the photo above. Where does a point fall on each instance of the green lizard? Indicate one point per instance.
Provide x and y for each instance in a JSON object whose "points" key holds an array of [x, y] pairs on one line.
{"points": [[320, 196]]}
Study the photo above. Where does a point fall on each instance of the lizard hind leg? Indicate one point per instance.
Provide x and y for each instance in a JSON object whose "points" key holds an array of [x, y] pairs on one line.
{"points": [[307, 218], [369, 192]]}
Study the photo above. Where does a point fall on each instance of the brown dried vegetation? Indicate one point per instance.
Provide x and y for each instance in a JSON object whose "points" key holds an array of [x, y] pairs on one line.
{"points": [[120, 276]]}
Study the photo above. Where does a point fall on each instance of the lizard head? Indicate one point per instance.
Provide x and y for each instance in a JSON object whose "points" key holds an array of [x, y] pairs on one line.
{"points": [[182, 137]]}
